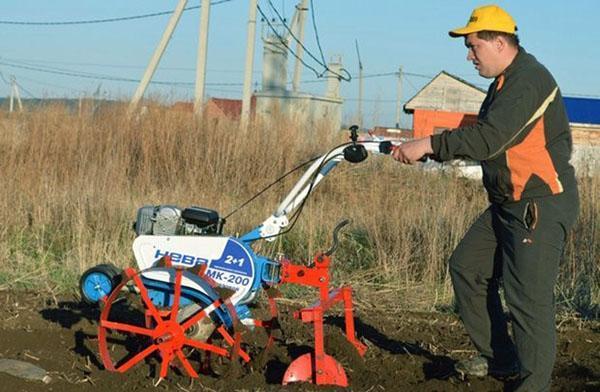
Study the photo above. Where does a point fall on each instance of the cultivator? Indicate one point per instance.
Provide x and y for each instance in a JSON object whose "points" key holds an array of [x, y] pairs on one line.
{"points": [[187, 301]]}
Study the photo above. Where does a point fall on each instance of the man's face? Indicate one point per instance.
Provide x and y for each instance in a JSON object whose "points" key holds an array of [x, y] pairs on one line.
{"points": [[484, 55]]}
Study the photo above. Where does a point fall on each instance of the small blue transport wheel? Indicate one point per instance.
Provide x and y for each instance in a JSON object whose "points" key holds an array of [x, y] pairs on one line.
{"points": [[98, 282]]}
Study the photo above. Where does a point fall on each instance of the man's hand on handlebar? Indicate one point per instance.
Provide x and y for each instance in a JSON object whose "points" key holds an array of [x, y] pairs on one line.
{"points": [[412, 151]]}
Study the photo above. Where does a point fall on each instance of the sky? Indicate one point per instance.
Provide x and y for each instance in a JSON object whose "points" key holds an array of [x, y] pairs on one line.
{"points": [[390, 34]]}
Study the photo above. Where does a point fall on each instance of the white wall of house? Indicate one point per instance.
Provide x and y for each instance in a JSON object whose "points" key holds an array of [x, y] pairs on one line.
{"points": [[586, 159]]}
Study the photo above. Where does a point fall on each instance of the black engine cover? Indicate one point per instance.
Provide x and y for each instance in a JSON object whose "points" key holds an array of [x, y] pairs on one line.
{"points": [[202, 217]]}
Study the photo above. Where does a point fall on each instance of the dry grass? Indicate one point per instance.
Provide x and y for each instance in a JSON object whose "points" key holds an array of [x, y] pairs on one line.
{"points": [[72, 184]]}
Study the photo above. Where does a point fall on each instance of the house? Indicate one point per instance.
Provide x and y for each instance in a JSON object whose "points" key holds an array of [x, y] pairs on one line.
{"points": [[218, 108], [446, 102], [584, 117]]}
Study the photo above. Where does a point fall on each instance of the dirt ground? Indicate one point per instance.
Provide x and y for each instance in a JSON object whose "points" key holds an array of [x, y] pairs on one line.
{"points": [[408, 352]]}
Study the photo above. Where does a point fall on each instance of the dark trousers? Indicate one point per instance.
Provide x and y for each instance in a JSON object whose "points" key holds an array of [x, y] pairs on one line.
{"points": [[519, 244]]}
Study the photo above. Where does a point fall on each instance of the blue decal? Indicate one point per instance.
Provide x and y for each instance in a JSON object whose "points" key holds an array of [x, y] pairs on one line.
{"points": [[235, 259], [180, 258]]}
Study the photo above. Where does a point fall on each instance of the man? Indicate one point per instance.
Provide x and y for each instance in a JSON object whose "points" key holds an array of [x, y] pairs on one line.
{"points": [[523, 141]]}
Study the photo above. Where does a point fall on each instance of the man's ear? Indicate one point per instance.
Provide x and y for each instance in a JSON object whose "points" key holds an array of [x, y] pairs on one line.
{"points": [[500, 44]]}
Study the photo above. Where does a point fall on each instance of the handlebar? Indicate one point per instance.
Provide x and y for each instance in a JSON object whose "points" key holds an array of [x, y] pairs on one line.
{"points": [[355, 151]]}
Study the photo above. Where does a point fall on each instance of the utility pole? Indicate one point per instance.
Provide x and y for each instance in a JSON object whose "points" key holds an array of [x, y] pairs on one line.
{"points": [[201, 64], [360, 86], [301, 10], [399, 98], [158, 52], [14, 93], [249, 68]]}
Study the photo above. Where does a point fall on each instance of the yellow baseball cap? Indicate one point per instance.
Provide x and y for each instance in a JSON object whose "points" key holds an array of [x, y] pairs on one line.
{"points": [[488, 17]]}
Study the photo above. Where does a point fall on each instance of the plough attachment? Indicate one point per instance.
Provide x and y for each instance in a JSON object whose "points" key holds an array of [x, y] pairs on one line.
{"points": [[318, 367]]}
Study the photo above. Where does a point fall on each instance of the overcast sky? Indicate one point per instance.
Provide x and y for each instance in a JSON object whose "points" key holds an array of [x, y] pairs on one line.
{"points": [[412, 34]]}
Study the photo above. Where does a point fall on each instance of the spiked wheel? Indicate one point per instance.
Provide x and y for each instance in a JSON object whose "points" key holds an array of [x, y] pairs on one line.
{"points": [[167, 313]]}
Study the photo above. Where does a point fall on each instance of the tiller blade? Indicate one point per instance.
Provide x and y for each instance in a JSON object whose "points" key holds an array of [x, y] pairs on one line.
{"points": [[303, 369]]}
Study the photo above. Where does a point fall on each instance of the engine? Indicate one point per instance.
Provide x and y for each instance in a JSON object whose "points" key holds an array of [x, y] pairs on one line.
{"points": [[171, 220]]}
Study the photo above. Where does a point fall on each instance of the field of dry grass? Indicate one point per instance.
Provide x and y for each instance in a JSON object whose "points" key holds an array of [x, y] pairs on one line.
{"points": [[71, 185]]}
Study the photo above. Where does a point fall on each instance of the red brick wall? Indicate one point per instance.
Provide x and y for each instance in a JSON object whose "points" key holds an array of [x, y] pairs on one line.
{"points": [[425, 122]]}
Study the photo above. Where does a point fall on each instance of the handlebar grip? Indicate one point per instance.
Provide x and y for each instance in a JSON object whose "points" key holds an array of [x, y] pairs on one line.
{"points": [[387, 147], [425, 157]]}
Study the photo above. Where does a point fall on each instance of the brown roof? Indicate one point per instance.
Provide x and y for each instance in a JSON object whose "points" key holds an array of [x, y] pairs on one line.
{"points": [[225, 107], [218, 107]]}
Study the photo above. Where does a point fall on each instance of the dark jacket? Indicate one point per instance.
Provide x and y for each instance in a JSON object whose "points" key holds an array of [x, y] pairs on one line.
{"points": [[522, 135]]}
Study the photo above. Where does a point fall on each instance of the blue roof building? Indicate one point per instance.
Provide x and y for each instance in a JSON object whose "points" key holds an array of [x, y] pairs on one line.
{"points": [[584, 119], [583, 110]]}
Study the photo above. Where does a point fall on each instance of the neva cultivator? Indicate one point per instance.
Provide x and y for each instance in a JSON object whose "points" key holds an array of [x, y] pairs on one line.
{"points": [[186, 298]]}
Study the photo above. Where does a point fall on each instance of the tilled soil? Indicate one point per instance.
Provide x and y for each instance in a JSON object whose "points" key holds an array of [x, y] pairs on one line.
{"points": [[406, 352]]}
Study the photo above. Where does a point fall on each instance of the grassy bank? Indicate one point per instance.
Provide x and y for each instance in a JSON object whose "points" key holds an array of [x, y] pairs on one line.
{"points": [[72, 184]]}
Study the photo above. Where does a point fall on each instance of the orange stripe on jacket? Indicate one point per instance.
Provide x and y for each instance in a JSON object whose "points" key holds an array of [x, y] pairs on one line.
{"points": [[531, 157], [500, 82]]}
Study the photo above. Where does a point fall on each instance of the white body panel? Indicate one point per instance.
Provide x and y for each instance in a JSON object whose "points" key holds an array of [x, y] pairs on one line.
{"points": [[228, 263]]}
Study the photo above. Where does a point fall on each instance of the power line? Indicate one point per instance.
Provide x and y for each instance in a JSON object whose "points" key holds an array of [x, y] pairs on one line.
{"points": [[312, 13], [24, 89], [119, 66], [52, 85], [322, 62], [3, 78], [410, 83], [370, 100], [77, 74], [39, 63], [19, 64], [395, 73], [378, 75], [106, 20], [79, 91], [14, 80], [86, 75], [282, 20], [282, 40]]}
